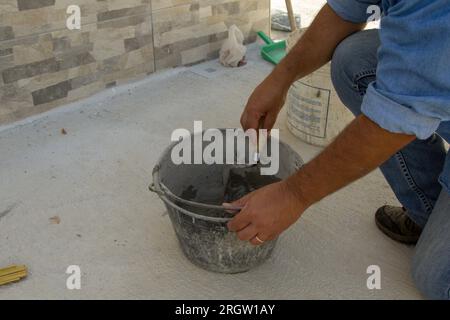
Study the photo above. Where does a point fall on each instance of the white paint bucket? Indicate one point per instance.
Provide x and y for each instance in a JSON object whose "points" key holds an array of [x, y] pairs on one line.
{"points": [[315, 113]]}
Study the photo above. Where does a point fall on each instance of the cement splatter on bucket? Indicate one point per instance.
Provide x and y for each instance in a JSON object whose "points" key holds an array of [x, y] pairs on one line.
{"points": [[193, 195]]}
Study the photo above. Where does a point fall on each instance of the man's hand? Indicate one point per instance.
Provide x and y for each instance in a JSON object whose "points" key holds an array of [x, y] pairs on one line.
{"points": [[265, 102], [266, 213]]}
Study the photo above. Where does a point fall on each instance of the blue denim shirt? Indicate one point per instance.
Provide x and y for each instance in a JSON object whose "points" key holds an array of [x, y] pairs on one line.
{"points": [[412, 90]]}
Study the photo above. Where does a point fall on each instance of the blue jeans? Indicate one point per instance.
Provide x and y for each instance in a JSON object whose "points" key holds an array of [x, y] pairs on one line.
{"points": [[413, 172]]}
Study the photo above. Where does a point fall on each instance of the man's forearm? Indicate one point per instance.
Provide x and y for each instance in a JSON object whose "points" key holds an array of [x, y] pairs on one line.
{"points": [[359, 149], [316, 46]]}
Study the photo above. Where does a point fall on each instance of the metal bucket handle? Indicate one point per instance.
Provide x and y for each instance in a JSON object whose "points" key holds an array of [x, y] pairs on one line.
{"points": [[166, 195]]}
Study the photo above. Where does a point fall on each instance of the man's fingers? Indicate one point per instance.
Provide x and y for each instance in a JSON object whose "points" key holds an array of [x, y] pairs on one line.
{"points": [[250, 120], [242, 201], [247, 233], [244, 118], [236, 205], [260, 236], [271, 237], [239, 222], [269, 121]]}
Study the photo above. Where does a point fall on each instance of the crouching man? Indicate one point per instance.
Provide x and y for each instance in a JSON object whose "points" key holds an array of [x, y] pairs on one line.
{"points": [[396, 80]]}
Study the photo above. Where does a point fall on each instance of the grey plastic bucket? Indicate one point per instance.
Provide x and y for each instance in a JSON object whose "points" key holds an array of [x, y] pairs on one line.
{"points": [[200, 222]]}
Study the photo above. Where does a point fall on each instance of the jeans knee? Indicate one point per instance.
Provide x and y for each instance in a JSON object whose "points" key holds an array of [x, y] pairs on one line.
{"points": [[431, 279], [340, 69], [353, 67], [342, 75]]}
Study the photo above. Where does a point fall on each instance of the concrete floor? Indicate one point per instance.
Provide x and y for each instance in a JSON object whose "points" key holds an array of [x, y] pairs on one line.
{"points": [[95, 180]]}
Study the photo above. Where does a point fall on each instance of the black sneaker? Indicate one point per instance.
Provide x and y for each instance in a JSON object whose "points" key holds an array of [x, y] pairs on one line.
{"points": [[395, 223]]}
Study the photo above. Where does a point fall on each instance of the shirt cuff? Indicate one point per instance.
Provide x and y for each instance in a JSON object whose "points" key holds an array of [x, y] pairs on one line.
{"points": [[350, 10], [395, 117]]}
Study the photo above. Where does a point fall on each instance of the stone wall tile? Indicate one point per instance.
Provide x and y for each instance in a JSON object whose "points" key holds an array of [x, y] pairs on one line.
{"points": [[29, 70], [7, 6], [162, 4], [43, 64], [84, 91], [123, 22], [40, 50], [6, 52], [200, 53], [34, 4], [6, 33], [120, 13], [51, 93]]}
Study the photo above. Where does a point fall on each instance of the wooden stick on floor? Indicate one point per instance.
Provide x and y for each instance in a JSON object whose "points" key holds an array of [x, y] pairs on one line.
{"points": [[12, 274]]}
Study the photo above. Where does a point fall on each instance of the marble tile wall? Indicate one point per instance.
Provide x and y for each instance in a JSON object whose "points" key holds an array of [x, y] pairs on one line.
{"points": [[43, 64], [188, 31]]}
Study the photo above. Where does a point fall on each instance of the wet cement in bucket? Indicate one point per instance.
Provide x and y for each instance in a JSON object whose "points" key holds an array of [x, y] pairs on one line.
{"points": [[242, 181]]}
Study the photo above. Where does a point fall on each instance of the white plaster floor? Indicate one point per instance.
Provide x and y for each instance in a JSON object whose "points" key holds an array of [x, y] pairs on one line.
{"points": [[95, 180]]}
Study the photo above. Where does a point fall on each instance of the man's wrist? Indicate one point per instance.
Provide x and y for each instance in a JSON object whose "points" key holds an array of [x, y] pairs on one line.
{"points": [[295, 187], [282, 77]]}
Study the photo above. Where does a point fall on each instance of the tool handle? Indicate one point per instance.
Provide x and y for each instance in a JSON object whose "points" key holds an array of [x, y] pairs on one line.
{"points": [[291, 15], [265, 37]]}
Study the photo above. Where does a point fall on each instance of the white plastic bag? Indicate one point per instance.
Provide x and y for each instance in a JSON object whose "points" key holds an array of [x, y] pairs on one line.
{"points": [[233, 51]]}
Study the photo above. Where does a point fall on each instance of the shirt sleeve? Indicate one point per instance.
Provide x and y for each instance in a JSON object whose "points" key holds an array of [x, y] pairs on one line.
{"points": [[353, 10], [411, 94]]}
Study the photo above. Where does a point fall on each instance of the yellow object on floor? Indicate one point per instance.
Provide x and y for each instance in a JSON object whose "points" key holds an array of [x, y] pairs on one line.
{"points": [[12, 274]]}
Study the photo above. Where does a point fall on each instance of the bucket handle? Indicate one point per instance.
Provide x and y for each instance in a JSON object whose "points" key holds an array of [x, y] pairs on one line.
{"points": [[166, 194], [153, 189], [189, 213], [164, 191]]}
